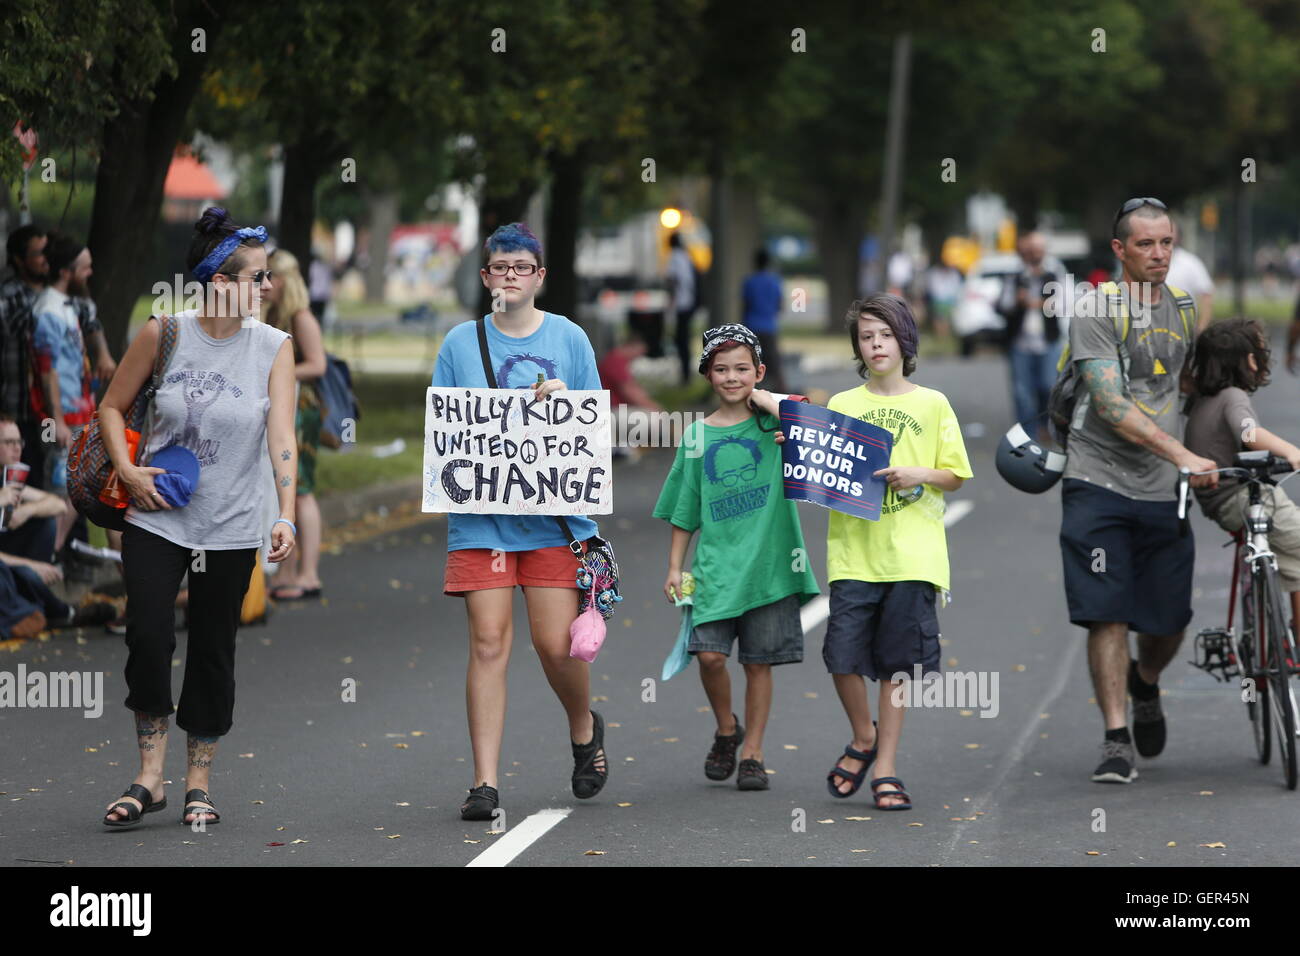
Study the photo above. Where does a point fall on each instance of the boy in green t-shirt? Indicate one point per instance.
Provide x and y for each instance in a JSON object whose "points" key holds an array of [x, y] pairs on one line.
{"points": [[884, 574], [750, 566]]}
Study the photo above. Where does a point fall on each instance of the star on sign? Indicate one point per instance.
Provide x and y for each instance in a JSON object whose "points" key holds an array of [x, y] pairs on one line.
{"points": [[833, 427]]}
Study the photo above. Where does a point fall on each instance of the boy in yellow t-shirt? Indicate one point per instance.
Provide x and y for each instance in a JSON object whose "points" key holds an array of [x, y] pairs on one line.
{"points": [[884, 574]]}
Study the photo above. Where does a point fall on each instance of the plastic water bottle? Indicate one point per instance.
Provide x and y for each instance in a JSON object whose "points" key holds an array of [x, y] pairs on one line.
{"points": [[931, 505]]}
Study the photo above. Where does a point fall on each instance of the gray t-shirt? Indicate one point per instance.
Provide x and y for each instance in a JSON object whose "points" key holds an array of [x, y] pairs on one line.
{"points": [[1157, 350], [214, 401], [1216, 425]]}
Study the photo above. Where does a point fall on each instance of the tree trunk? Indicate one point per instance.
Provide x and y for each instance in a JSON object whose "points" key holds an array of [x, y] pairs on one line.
{"points": [[839, 233], [304, 164], [136, 148], [563, 220], [382, 215], [498, 210]]}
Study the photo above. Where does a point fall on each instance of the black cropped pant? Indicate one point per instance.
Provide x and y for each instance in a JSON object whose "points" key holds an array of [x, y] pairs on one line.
{"points": [[153, 568]]}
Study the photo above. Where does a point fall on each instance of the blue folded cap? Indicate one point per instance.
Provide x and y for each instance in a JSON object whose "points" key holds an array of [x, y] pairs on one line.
{"points": [[181, 478]]}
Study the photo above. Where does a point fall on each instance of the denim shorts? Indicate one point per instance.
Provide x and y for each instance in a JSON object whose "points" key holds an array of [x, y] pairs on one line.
{"points": [[878, 629], [770, 634]]}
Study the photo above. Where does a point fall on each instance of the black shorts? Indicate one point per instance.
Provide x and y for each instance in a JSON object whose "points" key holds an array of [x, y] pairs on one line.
{"points": [[881, 628], [1124, 560]]}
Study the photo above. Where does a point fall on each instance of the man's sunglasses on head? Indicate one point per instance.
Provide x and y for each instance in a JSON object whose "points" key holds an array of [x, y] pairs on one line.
{"points": [[1135, 203]]}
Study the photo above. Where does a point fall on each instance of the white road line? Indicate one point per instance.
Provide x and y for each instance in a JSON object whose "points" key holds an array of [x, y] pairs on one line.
{"points": [[819, 608], [520, 838], [1017, 751]]}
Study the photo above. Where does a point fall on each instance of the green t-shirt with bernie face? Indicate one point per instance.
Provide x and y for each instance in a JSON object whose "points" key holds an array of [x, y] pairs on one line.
{"points": [[750, 551]]}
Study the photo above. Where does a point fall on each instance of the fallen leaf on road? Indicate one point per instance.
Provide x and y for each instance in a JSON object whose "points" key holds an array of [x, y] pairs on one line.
{"points": [[1038, 773], [622, 804], [789, 747], [972, 746], [402, 746], [279, 828], [597, 700], [272, 844], [376, 828], [190, 842], [419, 733], [630, 759], [1043, 716], [826, 821], [246, 756], [1171, 843], [653, 729], [395, 584], [345, 660], [1093, 853], [393, 836], [965, 713], [1214, 846], [300, 841], [92, 750], [672, 740], [702, 710], [857, 818], [394, 735], [974, 842], [612, 724], [257, 802], [916, 824], [403, 804], [1206, 793], [1018, 667], [954, 818], [594, 853], [859, 851], [811, 695], [473, 841], [952, 662]]}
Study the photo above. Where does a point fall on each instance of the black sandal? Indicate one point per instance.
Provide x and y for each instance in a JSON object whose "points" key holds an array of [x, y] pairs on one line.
{"points": [[721, 761], [588, 779], [482, 802], [194, 797], [133, 813]]}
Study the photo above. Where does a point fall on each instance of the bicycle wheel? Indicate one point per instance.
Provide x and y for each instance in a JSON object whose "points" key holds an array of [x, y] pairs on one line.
{"points": [[1249, 656], [1278, 666]]}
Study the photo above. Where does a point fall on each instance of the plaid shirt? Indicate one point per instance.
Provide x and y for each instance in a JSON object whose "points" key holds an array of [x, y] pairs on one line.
{"points": [[16, 298]]}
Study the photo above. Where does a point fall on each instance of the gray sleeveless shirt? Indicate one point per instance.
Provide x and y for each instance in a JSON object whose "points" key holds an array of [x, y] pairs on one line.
{"points": [[214, 401]]}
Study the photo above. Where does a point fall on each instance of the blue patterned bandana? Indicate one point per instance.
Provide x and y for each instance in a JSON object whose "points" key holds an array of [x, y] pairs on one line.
{"points": [[206, 269]]}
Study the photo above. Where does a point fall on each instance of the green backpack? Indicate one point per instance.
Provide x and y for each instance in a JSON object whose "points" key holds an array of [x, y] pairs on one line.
{"points": [[1065, 407]]}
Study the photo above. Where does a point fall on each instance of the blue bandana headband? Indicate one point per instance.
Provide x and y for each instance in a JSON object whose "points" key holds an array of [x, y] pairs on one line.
{"points": [[206, 269]]}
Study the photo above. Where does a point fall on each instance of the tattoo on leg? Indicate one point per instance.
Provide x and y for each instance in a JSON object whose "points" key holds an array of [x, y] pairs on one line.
{"points": [[201, 750], [150, 731]]}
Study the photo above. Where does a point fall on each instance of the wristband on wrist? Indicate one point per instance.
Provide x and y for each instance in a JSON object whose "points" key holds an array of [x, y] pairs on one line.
{"points": [[289, 523]]}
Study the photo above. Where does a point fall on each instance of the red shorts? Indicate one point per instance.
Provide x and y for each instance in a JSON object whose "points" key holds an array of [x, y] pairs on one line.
{"points": [[477, 569]]}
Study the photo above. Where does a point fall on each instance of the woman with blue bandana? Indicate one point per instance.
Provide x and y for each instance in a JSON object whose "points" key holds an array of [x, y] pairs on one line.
{"points": [[226, 398]]}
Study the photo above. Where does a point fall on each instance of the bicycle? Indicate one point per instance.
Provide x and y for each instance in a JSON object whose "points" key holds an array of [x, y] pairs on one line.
{"points": [[1263, 655]]}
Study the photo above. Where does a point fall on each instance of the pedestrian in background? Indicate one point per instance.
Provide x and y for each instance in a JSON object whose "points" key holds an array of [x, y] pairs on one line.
{"points": [[1035, 331], [286, 308], [683, 300], [761, 297]]}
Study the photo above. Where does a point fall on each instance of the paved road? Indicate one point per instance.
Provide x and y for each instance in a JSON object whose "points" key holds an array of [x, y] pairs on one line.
{"points": [[378, 781]]}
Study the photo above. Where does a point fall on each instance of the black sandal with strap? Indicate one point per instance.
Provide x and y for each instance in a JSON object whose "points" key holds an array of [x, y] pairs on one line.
{"points": [[721, 761], [133, 813], [481, 804], [588, 779], [192, 799]]}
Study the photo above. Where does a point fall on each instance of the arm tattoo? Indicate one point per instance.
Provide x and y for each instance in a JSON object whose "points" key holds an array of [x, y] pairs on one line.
{"points": [[1101, 378], [284, 455], [284, 482]]}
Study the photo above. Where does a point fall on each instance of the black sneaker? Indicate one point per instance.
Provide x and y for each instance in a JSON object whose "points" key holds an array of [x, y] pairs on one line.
{"points": [[721, 761], [751, 776], [1148, 717], [1117, 763], [480, 804]]}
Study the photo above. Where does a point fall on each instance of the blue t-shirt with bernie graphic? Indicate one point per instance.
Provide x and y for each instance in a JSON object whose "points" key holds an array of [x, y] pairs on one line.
{"points": [[558, 349]]}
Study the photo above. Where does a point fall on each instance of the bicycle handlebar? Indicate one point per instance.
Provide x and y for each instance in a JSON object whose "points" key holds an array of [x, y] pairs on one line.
{"points": [[1273, 466]]}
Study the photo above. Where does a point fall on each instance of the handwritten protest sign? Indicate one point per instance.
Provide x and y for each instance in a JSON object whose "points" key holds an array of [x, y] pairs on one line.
{"points": [[497, 451], [828, 459]]}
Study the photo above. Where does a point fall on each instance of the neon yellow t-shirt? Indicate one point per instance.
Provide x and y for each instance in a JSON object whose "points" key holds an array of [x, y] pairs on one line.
{"points": [[908, 542]]}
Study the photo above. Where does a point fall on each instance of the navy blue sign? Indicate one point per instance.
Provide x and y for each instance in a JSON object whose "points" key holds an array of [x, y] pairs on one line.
{"points": [[828, 459]]}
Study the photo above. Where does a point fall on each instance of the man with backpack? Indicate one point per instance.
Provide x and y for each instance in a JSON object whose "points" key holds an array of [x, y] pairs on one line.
{"points": [[1126, 565]]}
